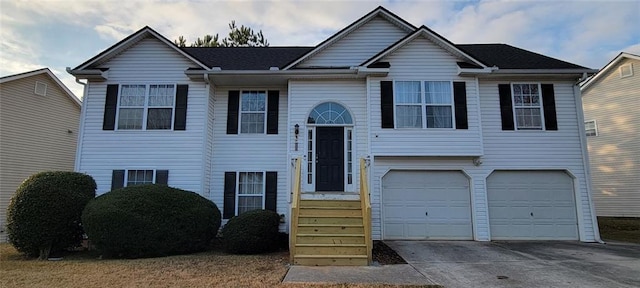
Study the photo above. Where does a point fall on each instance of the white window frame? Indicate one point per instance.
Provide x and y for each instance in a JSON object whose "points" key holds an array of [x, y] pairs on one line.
{"points": [[540, 107], [622, 68], [41, 84], [587, 130], [423, 105], [264, 189], [126, 176], [266, 108], [146, 107]]}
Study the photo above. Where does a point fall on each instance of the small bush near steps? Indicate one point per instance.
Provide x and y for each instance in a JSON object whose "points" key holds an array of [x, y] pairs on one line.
{"points": [[44, 214], [252, 232], [150, 221]]}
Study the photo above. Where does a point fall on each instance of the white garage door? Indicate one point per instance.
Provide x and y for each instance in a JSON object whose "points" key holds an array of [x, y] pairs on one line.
{"points": [[426, 205], [525, 205]]}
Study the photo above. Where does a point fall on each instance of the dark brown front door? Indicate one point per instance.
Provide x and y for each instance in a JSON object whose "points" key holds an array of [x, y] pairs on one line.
{"points": [[330, 159]]}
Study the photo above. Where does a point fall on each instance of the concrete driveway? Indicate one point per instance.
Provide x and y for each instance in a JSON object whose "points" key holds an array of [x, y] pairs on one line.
{"points": [[523, 263]]}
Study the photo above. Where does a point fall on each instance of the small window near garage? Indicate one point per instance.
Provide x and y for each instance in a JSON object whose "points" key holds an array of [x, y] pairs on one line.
{"points": [[139, 177], [591, 128], [626, 70], [41, 88]]}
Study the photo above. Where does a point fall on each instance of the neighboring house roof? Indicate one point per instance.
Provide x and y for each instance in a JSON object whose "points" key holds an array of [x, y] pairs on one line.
{"points": [[246, 58], [508, 57], [53, 77], [608, 67]]}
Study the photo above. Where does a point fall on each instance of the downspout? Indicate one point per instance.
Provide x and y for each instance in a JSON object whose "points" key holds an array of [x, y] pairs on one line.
{"points": [[585, 158], [83, 113], [203, 187]]}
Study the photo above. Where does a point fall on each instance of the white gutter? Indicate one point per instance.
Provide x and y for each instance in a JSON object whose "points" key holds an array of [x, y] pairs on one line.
{"points": [[359, 70], [543, 71]]}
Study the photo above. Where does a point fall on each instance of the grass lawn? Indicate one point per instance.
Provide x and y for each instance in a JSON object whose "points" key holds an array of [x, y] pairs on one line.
{"points": [[620, 229], [207, 269]]}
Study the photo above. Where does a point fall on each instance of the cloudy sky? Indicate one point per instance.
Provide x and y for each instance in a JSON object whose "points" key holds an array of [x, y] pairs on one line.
{"points": [[64, 33]]}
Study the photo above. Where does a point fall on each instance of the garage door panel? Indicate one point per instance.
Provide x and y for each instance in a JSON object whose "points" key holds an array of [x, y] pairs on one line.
{"points": [[433, 205], [526, 205]]}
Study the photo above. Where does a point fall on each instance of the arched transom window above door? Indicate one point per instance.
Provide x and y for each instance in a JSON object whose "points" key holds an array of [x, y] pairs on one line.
{"points": [[330, 113]]}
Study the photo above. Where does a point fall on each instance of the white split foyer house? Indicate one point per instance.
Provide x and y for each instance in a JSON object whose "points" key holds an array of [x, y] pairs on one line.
{"points": [[462, 142]]}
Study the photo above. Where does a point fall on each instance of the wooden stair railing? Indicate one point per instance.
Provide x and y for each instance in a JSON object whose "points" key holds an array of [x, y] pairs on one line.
{"points": [[366, 208], [295, 208]]}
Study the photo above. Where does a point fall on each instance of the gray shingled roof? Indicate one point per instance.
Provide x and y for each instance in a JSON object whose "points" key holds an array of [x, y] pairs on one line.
{"points": [[262, 58], [508, 57], [246, 58]]}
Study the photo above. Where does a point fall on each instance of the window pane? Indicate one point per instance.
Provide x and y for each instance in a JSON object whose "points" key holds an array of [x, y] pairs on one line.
{"points": [[161, 95], [132, 95], [139, 177], [251, 183], [248, 203], [439, 117], [528, 118], [408, 92], [253, 101], [252, 123], [438, 92], [329, 113], [159, 118], [130, 118], [409, 116]]}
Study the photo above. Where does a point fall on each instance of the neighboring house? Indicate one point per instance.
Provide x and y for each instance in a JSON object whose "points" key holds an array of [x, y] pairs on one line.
{"points": [[611, 102], [39, 120], [470, 142]]}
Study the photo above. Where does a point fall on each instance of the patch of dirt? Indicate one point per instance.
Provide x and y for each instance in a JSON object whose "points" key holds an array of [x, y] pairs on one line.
{"points": [[384, 255]]}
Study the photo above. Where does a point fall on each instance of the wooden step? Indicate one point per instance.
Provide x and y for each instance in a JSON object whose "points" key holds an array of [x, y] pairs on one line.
{"points": [[331, 249], [330, 260], [330, 220], [330, 203], [328, 212], [330, 229], [330, 239]]}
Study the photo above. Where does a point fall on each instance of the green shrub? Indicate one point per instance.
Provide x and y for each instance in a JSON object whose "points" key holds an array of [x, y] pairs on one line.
{"points": [[251, 232], [44, 214], [150, 221]]}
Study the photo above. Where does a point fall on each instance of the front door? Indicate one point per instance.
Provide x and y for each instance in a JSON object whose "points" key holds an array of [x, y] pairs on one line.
{"points": [[329, 158]]}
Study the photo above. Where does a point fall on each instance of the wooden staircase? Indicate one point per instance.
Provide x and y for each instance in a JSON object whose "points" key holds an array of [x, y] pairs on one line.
{"points": [[330, 232]]}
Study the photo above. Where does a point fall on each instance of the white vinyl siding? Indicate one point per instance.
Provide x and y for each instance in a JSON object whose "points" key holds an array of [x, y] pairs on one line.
{"points": [[305, 95], [181, 152], [358, 46], [422, 60], [614, 155], [536, 149], [249, 152]]}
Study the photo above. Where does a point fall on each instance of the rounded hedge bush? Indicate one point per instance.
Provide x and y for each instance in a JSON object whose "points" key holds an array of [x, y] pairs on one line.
{"points": [[251, 232], [150, 221], [44, 214]]}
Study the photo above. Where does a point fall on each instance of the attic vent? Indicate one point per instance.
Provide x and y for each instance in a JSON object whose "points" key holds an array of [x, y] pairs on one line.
{"points": [[41, 88], [626, 71]]}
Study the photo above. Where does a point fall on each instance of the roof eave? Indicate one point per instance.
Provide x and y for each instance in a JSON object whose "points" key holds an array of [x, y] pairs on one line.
{"points": [[90, 74], [608, 67]]}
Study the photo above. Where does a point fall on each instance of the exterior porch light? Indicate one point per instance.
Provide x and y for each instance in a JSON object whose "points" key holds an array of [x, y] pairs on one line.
{"points": [[296, 131]]}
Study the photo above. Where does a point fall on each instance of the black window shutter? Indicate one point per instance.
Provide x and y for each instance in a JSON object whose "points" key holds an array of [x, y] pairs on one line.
{"points": [[506, 107], [162, 177], [272, 112], [180, 121], [460, 102], [229, 209], [549, 105], [386, 103], [232, 112], [117, 179], [271, 191], [110, 104]]}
